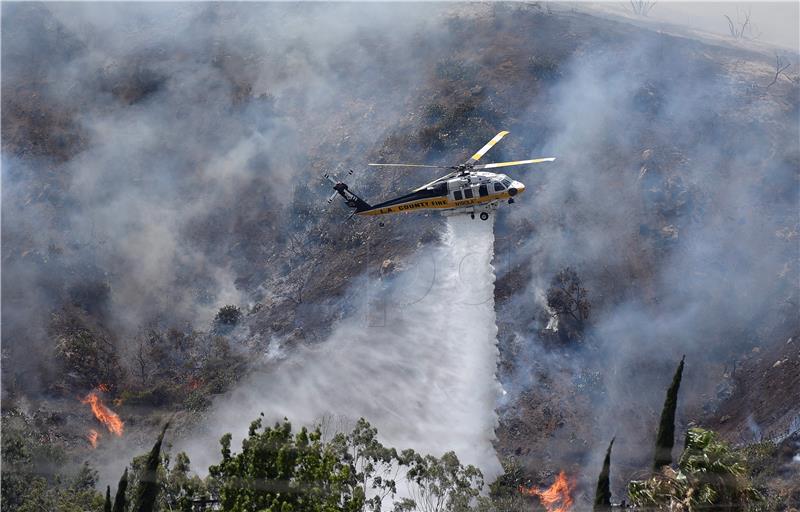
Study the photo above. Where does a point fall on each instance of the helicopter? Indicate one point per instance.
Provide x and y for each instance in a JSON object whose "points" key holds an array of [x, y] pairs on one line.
{"points": [[467, 188]]}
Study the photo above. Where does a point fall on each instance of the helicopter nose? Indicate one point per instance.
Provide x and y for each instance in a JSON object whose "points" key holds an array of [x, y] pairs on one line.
{"points": [[516, 188]]}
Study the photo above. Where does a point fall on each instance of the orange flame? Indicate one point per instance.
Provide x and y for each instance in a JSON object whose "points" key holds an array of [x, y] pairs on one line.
{"points": [[103, 387], [557, 497], [105, 415], [93, 436], [195, 383]]}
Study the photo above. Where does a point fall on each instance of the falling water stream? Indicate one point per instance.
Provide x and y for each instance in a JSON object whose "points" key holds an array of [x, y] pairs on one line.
{"points": [[418, 361]]}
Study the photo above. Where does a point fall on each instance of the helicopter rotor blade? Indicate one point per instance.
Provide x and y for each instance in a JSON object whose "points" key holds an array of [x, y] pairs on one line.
{"points": [[518, 162], [332, 197], [477, 156], [437, 180], [413, 165]]}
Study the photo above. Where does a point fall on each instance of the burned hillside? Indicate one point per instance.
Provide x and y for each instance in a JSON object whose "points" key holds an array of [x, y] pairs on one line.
{"points": [[162, 162]]}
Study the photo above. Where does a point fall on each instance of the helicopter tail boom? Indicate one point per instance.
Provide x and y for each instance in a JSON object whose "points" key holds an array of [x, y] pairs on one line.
{"points": [[350, 198]]}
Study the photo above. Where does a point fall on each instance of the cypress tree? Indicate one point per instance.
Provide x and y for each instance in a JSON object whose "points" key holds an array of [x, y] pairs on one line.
{"points": [[107, 503], [665, 439], [122, 488], [147, 491], [602, 496]]}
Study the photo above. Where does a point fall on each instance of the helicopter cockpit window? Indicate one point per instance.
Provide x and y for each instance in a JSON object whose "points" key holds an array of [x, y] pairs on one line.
{"points": [[440, 189], [498, 187], [506, 182], [457, 195]]}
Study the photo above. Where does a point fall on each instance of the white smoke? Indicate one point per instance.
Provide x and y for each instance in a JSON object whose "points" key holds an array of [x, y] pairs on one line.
{"points": [[418, 361]]}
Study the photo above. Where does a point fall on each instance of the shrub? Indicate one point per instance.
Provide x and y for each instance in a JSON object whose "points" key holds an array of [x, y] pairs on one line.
{"points": [[228, 315], [710, 476], [569, 303]]}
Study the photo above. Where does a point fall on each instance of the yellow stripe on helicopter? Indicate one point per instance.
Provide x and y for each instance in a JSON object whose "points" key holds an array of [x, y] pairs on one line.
{"points": [[436, 203]]}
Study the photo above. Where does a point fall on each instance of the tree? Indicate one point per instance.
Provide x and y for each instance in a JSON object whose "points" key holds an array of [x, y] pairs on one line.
{"points": [[18, 470], [122, 488], [439, 484], [180, 489], [568, 301], [504, 491], [142, 361], [375, 466], [76, 494], [148, 485], [353, 472], [43, 495], [27, 483], [278, 470], [665, 439], [742, 27], [107, 503], [602, 496], [780, 69], [642, 7], [87, 352], [228, 316]]}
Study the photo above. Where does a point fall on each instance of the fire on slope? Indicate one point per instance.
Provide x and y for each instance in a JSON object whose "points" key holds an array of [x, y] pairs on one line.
{"points": [[557, 497], [103, 414]]}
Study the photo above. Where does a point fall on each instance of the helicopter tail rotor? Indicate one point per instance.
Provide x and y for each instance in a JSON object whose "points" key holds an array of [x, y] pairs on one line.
{"points": [[351, 199]]}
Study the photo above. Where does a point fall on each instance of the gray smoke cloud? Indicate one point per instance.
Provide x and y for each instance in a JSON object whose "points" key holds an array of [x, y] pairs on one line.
{"points": [[176, 140], [675, 197]]}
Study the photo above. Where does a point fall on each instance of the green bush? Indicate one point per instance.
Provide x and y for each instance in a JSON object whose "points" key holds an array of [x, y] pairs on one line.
{"points": [[710, 476]]}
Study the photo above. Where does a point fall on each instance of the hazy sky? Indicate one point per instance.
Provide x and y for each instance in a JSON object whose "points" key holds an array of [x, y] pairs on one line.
{"points": [[774, 22]]}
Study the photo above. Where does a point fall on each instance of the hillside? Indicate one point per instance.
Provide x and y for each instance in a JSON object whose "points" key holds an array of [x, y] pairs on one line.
{"points": [[163, 161]]}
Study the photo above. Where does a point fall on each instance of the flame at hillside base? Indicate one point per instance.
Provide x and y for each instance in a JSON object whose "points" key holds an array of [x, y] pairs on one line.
{"points": [[103, 414], [557, 497]]}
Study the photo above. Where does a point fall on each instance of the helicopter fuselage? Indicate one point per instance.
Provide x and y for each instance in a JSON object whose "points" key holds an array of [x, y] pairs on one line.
{"points": [[466, 188], [466, 191]]}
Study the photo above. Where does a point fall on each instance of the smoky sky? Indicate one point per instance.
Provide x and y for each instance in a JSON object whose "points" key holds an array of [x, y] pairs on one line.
{"points": [[773, 23]]}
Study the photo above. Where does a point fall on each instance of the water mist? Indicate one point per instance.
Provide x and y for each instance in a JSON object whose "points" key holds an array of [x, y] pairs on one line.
{"points": [[418, 361]]}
